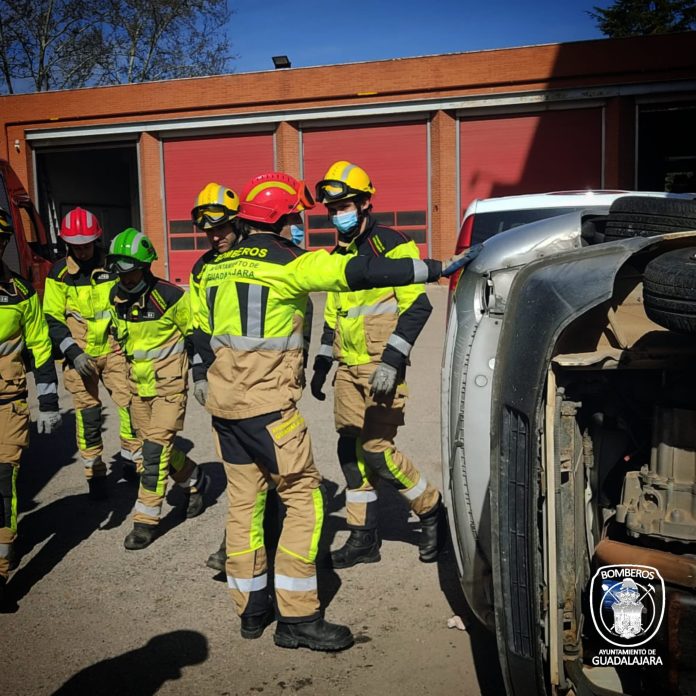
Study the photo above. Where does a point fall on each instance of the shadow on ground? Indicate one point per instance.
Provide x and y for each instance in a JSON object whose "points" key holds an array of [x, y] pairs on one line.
{"points": [[63, 525], [483, 643], [143, 671]]}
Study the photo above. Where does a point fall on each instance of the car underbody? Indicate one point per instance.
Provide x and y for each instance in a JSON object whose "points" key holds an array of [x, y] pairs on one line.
{"points": [[592, 463]]}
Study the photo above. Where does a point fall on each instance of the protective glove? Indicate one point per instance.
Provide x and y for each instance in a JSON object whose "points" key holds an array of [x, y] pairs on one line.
{"points": [[200, 391], [85, 365], [48, 421], [322, 366], [383, 380], [459, 261]]}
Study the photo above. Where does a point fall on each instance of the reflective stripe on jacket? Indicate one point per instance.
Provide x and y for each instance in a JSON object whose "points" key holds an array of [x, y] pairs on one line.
{"points": [[152, 332], [255, 317], [376, 325], [22, 325], [77, 307]]}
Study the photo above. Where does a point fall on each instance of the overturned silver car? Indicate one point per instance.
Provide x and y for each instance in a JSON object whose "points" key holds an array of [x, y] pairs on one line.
{"points": [[569, 448]]}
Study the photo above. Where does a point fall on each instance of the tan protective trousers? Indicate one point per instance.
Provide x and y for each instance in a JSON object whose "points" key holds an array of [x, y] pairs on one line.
{"points": [[257, 452], [112, 371], [367, 429], [157, 420], [14, 437]]}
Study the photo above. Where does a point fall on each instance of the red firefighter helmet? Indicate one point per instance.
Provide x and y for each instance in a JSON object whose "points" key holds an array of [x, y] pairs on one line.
{"points": [[80, 226], [267, 197]]}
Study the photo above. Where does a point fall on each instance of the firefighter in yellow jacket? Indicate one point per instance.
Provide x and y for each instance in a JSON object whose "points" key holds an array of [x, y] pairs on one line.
{"points": [[255, 320], [371, 333], [152, 323], [213, 213], [76, 304], [22, 325]]}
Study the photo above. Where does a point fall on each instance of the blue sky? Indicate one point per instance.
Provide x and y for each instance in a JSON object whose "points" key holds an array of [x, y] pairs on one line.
{"points": [[347, 31]]}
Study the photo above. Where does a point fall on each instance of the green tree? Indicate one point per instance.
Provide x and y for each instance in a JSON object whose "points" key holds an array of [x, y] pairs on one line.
{"points": [[63, 44], [642, 17]]}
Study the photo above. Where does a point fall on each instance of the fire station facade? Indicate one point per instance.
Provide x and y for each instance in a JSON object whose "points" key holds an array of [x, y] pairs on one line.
{"points": [[433, 132]]}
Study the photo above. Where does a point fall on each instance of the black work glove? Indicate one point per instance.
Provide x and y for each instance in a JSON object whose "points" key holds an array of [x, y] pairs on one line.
{"points": [[322, 367]]}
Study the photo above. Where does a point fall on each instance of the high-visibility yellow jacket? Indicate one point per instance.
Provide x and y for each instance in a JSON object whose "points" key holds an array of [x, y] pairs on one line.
{"points": [[152, 332], [77, 308], [379, 324], [255, 317], [22, 325], [210, 270]]}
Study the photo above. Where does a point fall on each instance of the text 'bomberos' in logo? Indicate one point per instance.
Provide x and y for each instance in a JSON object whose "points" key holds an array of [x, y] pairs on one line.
{"points": [[627, 603]]}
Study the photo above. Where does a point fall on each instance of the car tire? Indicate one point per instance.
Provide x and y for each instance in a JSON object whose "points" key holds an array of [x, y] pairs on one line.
{"points": [[669, 290], [642, 216]]}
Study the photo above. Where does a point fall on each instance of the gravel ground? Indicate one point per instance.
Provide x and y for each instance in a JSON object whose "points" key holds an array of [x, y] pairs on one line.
{"points": [[93, 618]]}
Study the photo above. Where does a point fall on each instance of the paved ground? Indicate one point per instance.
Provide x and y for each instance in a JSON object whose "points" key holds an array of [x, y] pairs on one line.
{"points": [[109, 621]]}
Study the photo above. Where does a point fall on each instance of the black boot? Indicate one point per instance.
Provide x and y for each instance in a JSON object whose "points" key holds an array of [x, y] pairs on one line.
{"points": [[253, 626], [217, 560], [140, 536], [196, 501], [97, 488], [433, 532], [362, 546], [316, 635]]}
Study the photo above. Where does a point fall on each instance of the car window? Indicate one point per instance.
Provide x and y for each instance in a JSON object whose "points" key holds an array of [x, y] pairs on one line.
{"points": [[488, 224]]}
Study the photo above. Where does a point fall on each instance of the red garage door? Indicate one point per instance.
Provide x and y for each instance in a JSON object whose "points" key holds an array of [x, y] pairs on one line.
{"points": [[395, 157], [191, 164], [550, 151]]}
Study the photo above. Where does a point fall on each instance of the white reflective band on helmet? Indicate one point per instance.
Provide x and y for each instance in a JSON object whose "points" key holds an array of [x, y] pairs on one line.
{"points": [[66, 343], [159, 353], [420, 271], [147, 509], [42, 388], [12, 346], [136, 242], [388, 307], [360, 496], [401, 344], [5, 550], [325, 351], [249, 343], [80, 239], [285, 582], [247, 584], [413, 493]]}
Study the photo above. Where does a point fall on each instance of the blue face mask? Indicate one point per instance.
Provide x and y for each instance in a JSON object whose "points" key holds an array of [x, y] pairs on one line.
{"points": [[345, 222], [297, 234]]}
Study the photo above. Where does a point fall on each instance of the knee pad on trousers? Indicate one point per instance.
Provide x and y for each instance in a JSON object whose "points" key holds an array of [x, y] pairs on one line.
{"points": [[348, 459], [90, 422], [6, 473], [152, 454], [377, 461]]}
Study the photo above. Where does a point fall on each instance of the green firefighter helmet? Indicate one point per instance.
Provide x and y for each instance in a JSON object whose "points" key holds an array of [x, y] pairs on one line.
{"points": [[130, 249], [6, 227]]}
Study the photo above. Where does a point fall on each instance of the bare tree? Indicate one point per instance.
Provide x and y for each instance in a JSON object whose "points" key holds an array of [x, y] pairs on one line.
{"points": [[51, 44], [165, 39], [642, 17], [61, 44]]}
